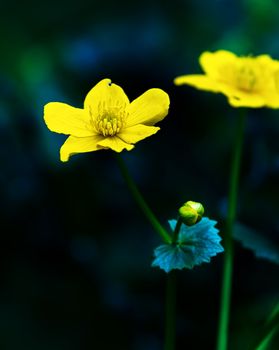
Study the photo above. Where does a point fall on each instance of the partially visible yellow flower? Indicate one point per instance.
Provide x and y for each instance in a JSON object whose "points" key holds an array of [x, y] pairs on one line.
{"points": [[108, 120], [246, 81]]}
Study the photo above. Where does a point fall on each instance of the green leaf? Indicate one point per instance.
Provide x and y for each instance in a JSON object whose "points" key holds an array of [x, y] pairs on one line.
{"points": [[195, 245], [261, 246]]}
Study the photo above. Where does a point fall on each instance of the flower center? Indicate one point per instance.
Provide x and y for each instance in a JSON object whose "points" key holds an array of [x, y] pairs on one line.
{"points": [[109, 125], [246, 78], [110, 119]]}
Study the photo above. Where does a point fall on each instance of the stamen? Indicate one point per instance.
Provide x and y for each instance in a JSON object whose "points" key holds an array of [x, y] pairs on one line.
{"points": [[248, 74], [246, 78], [111, 117]]}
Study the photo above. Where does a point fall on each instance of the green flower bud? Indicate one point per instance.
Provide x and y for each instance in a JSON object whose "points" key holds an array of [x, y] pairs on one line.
{"points": [[191, 212]]}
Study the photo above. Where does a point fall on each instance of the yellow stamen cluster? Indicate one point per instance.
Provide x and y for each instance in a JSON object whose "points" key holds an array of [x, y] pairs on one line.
{"points": [[109, 125], [111, 118], [246, 77]]}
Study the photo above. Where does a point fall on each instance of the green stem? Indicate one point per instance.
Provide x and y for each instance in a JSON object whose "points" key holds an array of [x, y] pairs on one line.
{"points": [[176, 230], [222, 339], [170, 324], [273, 315], [271, 327], [171, 277], [266, 341], [141, 202]]}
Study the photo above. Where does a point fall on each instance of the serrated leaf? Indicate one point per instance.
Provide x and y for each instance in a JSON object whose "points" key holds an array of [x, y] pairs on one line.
{"points": [[260, 245], [195, 245]]}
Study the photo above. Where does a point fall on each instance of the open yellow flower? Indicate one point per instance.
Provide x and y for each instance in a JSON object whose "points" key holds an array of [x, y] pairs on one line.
{"points": [[108, 120], [246, 81]]}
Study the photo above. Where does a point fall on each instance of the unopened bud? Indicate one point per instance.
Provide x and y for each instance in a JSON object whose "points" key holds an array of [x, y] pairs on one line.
{"points": [[191, 212]]}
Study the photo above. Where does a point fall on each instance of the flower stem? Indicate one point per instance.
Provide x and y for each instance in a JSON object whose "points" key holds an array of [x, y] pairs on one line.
{"points": [[274, 314], [176, 230], [141, 202], [222, 339], [170, 324], [266, 341], [270, 329], [171, 277]]}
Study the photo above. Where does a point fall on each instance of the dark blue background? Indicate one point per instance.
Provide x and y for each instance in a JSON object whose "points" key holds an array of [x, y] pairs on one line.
{"points": [[75, 249]]}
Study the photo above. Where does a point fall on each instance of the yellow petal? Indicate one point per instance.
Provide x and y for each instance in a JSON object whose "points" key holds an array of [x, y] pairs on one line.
{"points": [[65, 119], [271, 91], [105, 96], [272, 100], [115, 143], [74, 145], [149, 108], [217, 64], [240, 98], [266, 60], [246, 100], [199, 81], [136, 133]]}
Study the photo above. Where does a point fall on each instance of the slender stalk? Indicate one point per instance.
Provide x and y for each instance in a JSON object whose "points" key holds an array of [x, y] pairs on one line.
{"points": [[266, 341], [176, 230], [273, 315], [171, 277], [170, 319], [270, 329], [222, 339], [141, 202]]}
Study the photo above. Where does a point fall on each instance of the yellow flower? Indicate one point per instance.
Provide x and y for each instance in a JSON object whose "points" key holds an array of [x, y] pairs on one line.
{"points": [[246, 81], [108, 120]]}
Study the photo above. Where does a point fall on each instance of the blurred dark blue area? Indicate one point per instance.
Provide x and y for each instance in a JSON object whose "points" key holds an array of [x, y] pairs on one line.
{"points": [[75, 249]]}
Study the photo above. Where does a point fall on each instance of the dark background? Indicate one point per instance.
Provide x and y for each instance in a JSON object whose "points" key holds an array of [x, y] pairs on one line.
{"points": [[75, 249]]}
